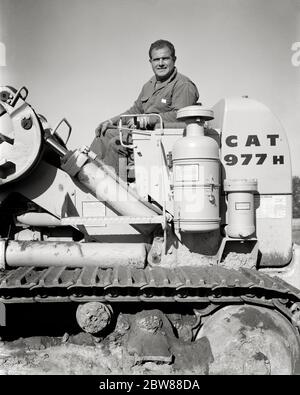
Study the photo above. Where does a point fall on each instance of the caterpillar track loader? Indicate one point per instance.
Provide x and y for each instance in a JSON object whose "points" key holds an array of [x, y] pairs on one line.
{"points": [[198, 247]]}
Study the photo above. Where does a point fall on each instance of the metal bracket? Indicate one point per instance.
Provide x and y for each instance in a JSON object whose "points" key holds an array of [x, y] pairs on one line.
{"points": [[120, 127], [131, 146], [94, 221], [54, 131], [75, 162], [19, 95], [251, 242]]}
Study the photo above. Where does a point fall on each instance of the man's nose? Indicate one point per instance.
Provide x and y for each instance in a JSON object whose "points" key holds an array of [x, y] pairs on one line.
{"points": [[161, 61]]}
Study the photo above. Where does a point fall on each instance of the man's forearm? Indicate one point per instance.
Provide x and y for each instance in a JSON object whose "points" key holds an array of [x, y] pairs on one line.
{"points": [[135, 109]]}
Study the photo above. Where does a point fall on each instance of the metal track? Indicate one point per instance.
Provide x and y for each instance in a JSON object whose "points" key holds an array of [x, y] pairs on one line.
{"points": [[125, 284]]}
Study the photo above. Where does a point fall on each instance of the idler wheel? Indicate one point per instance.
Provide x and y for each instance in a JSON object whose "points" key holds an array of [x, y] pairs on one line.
{"points": [[248, 339], [93, 317]]}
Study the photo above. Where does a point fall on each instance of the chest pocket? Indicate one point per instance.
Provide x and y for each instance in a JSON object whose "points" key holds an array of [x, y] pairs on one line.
{"points": [[158, 102]]}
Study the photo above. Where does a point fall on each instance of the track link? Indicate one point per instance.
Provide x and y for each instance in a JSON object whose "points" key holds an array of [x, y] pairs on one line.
{"points": [[185, 283], [205, 285]]}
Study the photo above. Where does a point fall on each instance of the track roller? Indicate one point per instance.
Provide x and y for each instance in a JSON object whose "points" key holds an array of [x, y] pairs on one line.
{"points": [[93, 317]]}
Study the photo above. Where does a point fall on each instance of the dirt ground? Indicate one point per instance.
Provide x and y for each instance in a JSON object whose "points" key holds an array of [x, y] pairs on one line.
{"points": [[75, 359], [144, 343], [140, 344], [127, 350], [35, 356]]}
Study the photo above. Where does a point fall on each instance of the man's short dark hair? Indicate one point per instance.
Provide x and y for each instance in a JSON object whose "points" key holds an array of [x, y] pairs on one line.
{"points": [[162, 44]]}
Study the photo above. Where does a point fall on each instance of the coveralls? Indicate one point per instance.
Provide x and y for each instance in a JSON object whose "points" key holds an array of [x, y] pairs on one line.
{"points": [[164, 98]]}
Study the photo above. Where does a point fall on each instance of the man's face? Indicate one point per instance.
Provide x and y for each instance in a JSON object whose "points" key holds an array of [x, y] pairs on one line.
{"points": [[162, 63]]}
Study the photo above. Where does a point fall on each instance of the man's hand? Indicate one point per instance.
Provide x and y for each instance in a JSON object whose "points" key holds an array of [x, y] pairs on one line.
{"points": [[152, 121], [102, 128], [130, 123], [147, 121], [142, 122]]}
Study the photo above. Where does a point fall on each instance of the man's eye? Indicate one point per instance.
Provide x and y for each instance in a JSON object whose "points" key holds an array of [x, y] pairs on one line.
{"points": [[158, 59]]}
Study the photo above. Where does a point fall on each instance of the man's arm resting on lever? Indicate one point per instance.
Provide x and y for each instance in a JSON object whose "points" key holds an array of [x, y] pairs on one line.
{"points": [[103, 126]]}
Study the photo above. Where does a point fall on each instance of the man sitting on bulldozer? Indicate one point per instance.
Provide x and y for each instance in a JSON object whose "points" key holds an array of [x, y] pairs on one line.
{"points": [[164, 94]]}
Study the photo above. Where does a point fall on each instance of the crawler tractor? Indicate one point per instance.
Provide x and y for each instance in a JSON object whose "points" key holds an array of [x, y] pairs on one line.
{"points": [[197, 245]]}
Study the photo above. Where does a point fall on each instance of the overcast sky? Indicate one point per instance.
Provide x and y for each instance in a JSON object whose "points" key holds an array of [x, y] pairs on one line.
{"points": [[87, 60]]}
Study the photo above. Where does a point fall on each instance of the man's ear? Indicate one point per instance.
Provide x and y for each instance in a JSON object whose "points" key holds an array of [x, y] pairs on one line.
{"points": [[174, 59]]}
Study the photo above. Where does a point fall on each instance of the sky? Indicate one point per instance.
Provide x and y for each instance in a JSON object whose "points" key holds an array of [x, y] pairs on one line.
{"points": [[87, 60]]}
